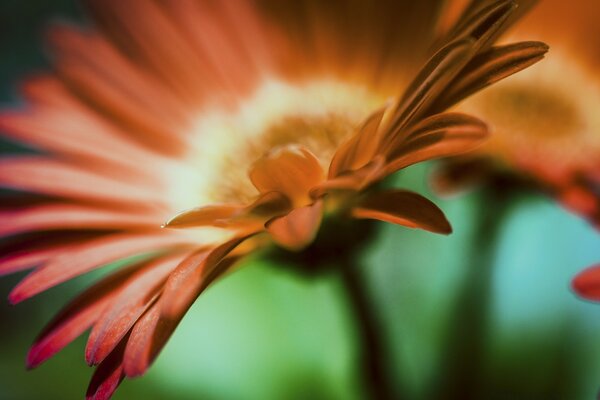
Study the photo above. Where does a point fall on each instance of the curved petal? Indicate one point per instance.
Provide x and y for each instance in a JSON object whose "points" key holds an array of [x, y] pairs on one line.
{"points": [[107, 376], [192, 276], [441, 135], [214, 215], [403, 208], [490, 67], [360, 149], [152, 331], [297, 229], [126, 307], [291, 170], [77, 316]]}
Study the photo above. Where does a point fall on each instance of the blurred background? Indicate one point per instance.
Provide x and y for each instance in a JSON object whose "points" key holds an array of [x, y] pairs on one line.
{"points": [[266, 332]]}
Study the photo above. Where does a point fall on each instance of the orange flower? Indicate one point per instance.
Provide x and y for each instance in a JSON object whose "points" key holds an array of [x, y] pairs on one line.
{"points": [[544, 123], [254, 118]]}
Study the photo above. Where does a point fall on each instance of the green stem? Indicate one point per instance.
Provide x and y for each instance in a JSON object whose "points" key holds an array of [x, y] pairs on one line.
{"points": [[463, 363], [373, 357]]}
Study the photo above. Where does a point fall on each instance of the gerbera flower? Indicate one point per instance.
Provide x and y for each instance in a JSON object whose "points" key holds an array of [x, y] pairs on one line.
{"points": [[545, 124], [240, 124]]}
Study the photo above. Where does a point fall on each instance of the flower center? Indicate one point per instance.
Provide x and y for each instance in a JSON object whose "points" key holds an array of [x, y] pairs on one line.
{"points": [[542, 112], [318, 116]]}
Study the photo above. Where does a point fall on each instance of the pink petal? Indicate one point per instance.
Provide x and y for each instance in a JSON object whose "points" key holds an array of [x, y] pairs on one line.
{"points": [[46, 176], [23, 260], [107, 376], [153, 329], [89, 256], [126, 307], [192, 276], [77, 317], [147, 337], [69, 216]]}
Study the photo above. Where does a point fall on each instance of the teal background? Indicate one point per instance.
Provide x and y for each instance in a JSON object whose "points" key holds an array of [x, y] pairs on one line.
{"points": [[266, 332]]}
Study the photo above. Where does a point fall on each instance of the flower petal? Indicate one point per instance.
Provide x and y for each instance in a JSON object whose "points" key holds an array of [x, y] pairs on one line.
{"points": [[147, 338], [297, 229], [291, 170], [192, 276], [490, 67], [127, 306], [47, 176], [403, 208], [69, 216], [107, 376], [433, 78], [440, 135], [214, 215], [183, 286], [587, 283], [77, 316], [360, 149], [86, 257]]}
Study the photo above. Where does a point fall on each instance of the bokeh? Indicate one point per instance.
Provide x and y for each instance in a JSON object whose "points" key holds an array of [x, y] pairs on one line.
{"points": [[266, 332]]}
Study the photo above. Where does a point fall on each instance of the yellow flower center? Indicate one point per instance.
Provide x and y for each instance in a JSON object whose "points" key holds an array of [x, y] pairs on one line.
{"points": [[541, 112], [226, 143]]}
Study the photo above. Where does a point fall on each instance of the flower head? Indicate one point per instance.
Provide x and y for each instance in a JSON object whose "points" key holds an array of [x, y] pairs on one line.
{"points": [[544, 123], [196, 132]]}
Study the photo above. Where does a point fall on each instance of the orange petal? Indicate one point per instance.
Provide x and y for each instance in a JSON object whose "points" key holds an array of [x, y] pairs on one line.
{"points": [[269, 204], [214, 215], [490, 67], [128, 305], [403, 208], [353, 181], [360, 148], [433, 78], [440, 135], [192, 276], [587, 283], [297, 229], [291, 170]]}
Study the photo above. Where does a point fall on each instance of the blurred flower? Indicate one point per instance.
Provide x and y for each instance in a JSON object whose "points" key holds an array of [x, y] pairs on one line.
{"points": [[240, 124], [544, 123]]}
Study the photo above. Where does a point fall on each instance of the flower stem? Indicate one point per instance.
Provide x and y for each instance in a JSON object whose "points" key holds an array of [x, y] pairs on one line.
{"points": [[372, 358], [463, 363]]}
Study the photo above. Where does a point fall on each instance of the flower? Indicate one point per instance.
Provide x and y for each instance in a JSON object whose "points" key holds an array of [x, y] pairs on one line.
{"points": [[238, 123], [544, 123]]}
